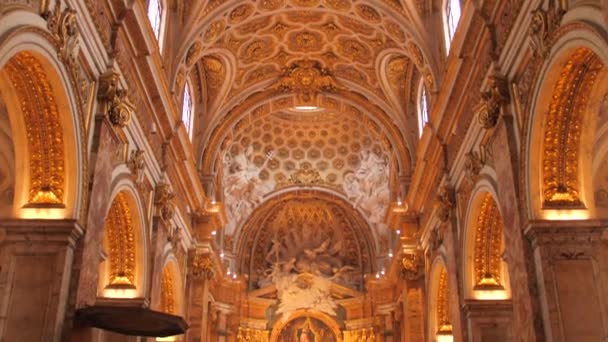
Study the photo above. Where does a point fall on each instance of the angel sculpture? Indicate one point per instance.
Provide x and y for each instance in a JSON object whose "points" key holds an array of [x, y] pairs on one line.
{"points": [[243, 187], [312, 254]]}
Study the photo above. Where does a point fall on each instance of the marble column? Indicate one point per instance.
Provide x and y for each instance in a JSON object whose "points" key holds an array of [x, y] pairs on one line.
{"points": [[36, 259], [452, 266], [526, 316], [488, 320], [201, 272], [414, 311], [570, 259]]}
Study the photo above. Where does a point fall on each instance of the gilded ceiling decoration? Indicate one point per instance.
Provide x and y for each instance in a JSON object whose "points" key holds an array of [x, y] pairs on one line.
{"points": [[330, 149], [488, 245], [563, 127], [444, 325], [43, 127], [345, 37], [167, 299], [120, 237], [306, 235]]}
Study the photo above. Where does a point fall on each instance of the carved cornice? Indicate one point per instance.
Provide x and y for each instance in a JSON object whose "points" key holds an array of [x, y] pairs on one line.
{"points": [[117, 106], [566, 240], [543, 233]]}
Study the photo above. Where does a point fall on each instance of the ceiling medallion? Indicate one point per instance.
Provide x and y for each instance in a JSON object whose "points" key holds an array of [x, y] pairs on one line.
{"points": [[307, 79]]}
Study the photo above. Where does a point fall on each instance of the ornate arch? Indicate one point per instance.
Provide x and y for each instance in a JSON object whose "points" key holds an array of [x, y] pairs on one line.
{"points": [[563, 120], [171, 288], [255, 239], [46, 121], [440, 322], [124, 272], [485, 274], [324, 318]]}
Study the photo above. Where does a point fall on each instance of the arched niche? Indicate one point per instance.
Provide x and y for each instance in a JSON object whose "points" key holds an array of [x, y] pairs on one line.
{"points": [[563, 127], [171, 289], [285, 226], [485, 273], [123, 267], [46, 151], [439, 323], [293, 324]]}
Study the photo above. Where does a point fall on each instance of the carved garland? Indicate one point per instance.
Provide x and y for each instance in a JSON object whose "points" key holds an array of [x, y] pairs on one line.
{"points": [[121, 242], [561, 186], [488, 240], [43, 127]]}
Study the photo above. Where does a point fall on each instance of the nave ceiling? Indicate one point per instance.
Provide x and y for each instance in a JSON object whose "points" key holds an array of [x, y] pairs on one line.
{"points": [[357, 64]]}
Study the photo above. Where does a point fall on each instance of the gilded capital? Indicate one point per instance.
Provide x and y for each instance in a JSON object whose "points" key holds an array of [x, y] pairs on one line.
{"points": [[201, 266]]}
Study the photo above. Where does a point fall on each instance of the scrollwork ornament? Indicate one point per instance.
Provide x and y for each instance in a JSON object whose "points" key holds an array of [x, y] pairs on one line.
{"points": [[447, 201], [63, 26], [473, 164], [435, 238], [543, 25], [137, 166], [118, 107], [193, 53], [174, 236], [412, 265], [492, 99], [307, 79], [163, 200]]}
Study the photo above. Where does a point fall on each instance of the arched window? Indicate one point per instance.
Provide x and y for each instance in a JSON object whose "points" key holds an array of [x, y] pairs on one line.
{"points": [[451, 18], [423, 108], [155, 15], [187, 110]]}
